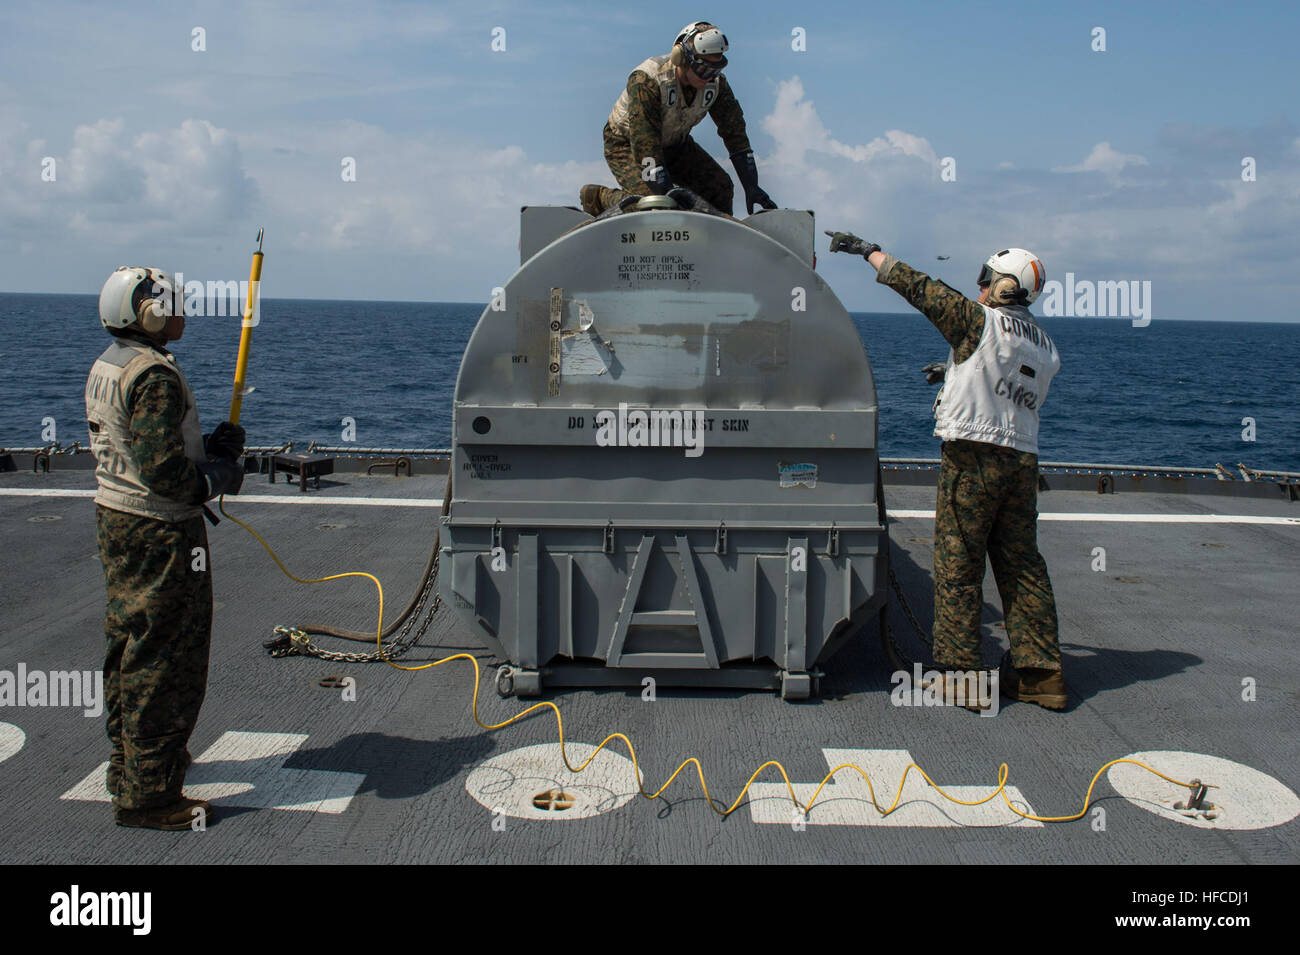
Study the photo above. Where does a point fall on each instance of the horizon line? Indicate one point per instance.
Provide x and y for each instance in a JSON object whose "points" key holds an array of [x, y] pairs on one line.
{"points": [[368, 301]]}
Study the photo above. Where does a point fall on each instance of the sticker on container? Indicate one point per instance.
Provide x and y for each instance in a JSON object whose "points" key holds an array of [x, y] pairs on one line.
{"points": [[793, 475]]}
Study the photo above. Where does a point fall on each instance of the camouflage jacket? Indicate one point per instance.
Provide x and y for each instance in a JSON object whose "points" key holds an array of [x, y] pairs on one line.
{"points": [[958, 319], [645, 114], [157, 406]]}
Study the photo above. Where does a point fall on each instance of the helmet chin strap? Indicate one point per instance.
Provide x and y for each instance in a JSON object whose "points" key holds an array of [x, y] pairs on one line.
{"points": [[135, 333]]}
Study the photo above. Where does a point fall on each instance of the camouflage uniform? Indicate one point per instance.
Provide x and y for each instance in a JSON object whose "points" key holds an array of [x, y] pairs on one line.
{"points": [[687, 163], [987, 504], [158, 621]]}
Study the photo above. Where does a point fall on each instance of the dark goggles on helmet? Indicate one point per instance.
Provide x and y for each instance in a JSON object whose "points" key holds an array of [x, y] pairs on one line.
{"points": [[169, 298], [701, 67], [986, 276]]}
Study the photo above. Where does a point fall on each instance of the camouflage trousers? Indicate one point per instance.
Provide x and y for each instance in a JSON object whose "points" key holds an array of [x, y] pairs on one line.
{"points": [[159, 628], [688, 165], [988, 504]]}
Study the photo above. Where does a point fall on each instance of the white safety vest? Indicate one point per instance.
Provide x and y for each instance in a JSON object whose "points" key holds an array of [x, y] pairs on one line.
{"points": [[112, 378], [678, 118], [995, 395]]}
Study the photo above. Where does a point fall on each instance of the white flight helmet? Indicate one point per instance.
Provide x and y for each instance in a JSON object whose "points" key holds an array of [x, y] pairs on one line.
{"points": [[136, 294], [1014, 277], [696, 41]]}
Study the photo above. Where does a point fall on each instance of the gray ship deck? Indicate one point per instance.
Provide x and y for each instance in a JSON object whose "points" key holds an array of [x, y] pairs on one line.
{"points": [[1157, 647]]}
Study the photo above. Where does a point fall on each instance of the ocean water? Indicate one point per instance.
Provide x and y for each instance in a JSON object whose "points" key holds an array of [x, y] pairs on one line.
{"points": [[1173, 393]]}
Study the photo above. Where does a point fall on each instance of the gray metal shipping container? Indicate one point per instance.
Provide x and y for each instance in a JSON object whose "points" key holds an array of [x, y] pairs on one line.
{"points": [[665, 461]]}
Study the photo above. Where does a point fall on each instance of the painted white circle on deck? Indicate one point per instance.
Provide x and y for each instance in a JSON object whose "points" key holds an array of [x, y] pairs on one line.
{"points": [[1245, 797], [511, 781], [11, 740]]}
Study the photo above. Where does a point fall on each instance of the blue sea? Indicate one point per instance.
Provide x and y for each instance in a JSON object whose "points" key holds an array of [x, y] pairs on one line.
{"points": [[1172, 393]]}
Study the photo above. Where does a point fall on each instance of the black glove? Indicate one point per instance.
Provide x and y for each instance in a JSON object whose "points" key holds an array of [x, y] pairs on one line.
{"points": [[747, 173], [691, 201], [658, 181], [226, 441], [224, 476], [848, 242], [934, 372]]}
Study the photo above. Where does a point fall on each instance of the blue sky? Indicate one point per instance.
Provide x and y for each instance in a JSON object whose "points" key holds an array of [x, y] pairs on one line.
{"points": [[1117, 165]]}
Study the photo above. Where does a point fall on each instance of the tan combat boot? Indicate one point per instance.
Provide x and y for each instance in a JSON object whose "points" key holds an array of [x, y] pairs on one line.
{"points": [[1033, 685], [173, 818], [958, 688], [590, 198], [598, 199]]}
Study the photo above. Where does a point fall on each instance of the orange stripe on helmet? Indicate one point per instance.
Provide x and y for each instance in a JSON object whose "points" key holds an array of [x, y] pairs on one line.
{"points": [[1038, 276]]}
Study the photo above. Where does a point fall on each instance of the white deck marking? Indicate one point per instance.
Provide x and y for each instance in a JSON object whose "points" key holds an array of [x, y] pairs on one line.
{"points": [[246, 498], [11, 740], [1076, 517], [509, 782], [1246, 798], [258, 760], [1086, 517], [846, 800], [43, 492]]}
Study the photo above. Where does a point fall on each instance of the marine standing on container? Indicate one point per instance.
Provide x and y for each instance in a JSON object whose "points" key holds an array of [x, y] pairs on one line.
{"points": [[995, 381], [154, 469], [647, 139]]}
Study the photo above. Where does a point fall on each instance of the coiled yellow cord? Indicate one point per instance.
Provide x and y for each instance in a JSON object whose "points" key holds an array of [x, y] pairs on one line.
{"points": [[1004, 770]]}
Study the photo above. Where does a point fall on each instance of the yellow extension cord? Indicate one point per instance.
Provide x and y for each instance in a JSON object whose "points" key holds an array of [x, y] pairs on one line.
{"points": [[1003, 770]]}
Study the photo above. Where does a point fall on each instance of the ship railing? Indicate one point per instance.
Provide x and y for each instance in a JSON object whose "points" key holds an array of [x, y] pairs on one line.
{"points": [[1219, 471], [1071, 467]]}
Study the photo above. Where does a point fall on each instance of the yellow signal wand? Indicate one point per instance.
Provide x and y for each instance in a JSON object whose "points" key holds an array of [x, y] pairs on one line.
{"points": [[246, 332]]}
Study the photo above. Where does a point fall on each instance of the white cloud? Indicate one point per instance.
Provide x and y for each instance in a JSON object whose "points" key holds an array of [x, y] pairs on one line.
{"points": [[1168, 223], [1106, 160], [850, 185], [416, 194], [797, 129], [434, 213], [196, 167], [117, 186]]}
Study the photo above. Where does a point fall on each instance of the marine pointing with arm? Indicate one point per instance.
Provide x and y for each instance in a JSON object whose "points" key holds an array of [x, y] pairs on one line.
{"points": [[647, 138], [154, 470], [995, 381]]}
